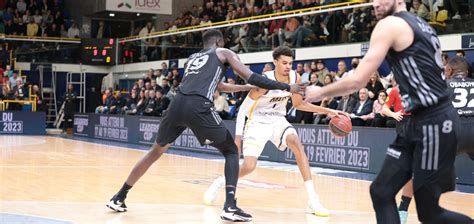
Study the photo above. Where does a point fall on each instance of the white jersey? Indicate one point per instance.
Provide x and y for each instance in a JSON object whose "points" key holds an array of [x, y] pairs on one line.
{"points": [[271, 105]]}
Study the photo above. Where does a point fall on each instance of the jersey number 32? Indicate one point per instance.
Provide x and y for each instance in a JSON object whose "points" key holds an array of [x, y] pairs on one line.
{"points": [[461, 98]]}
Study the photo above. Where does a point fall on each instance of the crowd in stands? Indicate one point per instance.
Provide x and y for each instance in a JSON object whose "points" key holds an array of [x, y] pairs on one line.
{"points": [[319, 29], [41, 18], [14, 87]]}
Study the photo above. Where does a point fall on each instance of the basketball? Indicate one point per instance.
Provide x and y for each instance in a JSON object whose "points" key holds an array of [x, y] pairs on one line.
{"points": [[340, 126]]}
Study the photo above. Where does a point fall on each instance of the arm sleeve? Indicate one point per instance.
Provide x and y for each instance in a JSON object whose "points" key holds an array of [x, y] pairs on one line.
{"points": [[266, 83], [240, 121]]}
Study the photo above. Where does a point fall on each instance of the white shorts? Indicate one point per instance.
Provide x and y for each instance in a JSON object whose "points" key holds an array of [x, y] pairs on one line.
{"points": [[256, 135]]}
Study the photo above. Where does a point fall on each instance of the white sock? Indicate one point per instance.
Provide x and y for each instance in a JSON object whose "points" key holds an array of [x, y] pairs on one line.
{"points": [[309, 185]]}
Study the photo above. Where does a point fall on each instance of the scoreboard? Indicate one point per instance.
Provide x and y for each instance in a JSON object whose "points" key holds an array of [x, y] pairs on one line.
{"points": [[98, 51]]}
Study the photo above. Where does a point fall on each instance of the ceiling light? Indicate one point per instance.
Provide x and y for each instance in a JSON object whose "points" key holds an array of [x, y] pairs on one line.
{"points": [[111, 14]]}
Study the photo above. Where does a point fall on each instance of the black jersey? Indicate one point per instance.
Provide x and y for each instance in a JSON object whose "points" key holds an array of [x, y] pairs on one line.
{"points": [[419, 68], [462, 90], [203, 72]]}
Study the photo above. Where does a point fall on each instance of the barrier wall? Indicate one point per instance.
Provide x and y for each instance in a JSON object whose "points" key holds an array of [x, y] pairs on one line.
{"points": [[363, 150], [22, 123]]}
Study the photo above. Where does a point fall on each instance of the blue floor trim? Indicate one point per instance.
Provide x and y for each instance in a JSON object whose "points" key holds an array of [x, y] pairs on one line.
{"points": [[17, 219]]}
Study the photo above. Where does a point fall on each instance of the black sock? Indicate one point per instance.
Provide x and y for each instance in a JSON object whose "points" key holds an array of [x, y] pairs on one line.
{"points": [[122, 194], [404, 204], [231, 168]]}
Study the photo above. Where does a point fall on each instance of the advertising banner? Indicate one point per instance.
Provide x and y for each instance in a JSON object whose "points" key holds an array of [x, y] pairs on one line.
{"points": [[140, 6], [363, 150], [22, 123]]}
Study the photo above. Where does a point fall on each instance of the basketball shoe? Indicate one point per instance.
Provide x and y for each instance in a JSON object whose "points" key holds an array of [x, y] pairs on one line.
{"points": [[211, 193], [232, 213], [403, 216], [317, 208], [117, 204]]}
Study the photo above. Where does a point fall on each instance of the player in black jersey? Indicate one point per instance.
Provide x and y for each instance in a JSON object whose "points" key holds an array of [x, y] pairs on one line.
{"points": [[462, 96], [192, 108], [462, 89], [425, 146]]}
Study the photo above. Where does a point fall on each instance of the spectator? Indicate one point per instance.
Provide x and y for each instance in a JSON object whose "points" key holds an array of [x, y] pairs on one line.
{"points": [[314, 81], [166, 86], [13, 80], [40, 106], [354, 64], [54, 31], [26, 17], [341, 70], [299, 68], [145, 43], [131, 104], [32, 28], [378, 118], [108, 103], [394, 101], [267, 67], [119, 103], [141, 84], [162, 103], [322, 71], [328, 79], [374, 86], [420, 10], [221, 105], [142, 102], [173, 90], [363, 107], [21, 6], [346, 104], [38, 18], [154, 86], [150, 104], [73, 31]]}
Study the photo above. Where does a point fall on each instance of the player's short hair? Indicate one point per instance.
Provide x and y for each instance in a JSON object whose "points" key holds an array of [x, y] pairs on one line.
{"points": [[210, 34], [282, 50], [458, 64]]}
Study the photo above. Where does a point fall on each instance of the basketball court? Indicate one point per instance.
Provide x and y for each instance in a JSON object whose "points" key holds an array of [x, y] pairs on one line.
{"points": [[57, 180]]}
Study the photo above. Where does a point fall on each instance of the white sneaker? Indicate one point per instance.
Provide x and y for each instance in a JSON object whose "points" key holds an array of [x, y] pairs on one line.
{"points": [[317, 208], [457, 16], [403, 216], [211, 193]]}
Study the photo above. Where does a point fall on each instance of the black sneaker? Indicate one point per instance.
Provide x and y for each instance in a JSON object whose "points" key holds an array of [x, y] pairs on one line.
{"points": [[117, 204], [232, 213]]}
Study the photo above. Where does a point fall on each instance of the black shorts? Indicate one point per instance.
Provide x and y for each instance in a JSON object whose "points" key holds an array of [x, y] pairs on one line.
{"points": [[426, 146], [466, 136], [194, 112]]}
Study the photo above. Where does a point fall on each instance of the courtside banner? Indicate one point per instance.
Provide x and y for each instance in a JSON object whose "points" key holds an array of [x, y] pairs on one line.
{"points": [[363, 150], [22, 123]]}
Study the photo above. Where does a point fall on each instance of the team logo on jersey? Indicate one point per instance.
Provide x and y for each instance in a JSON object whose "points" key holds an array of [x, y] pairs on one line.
{"points": [[279, 99]]}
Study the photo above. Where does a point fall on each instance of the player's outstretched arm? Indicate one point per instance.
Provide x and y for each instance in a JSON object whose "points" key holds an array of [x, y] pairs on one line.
{"points": [[380, 42], [227, 56], [301, 105], [232, 88]]}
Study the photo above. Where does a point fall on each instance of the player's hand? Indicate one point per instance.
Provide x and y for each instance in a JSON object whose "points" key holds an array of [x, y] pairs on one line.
{"points": [[338, 113], [298, 88], [312, 94], [397, 115], [238, 142]]}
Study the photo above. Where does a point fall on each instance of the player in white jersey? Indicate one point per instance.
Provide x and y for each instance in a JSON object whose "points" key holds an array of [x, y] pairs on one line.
{"points": [[265, 111]]}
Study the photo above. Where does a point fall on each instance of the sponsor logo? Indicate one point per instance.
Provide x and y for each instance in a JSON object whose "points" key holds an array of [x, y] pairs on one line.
{"points": [[394, 153]]}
